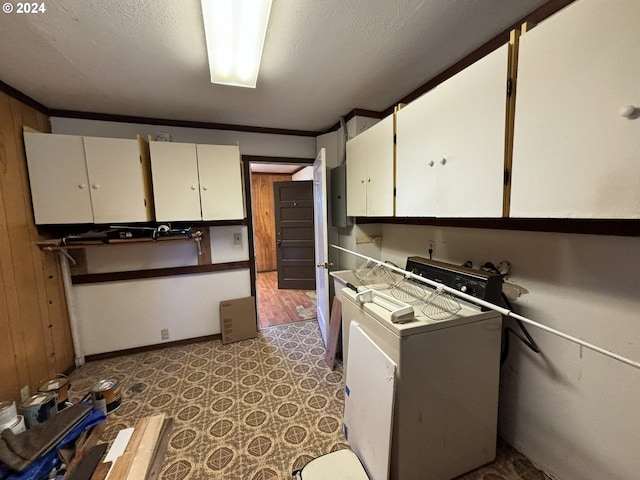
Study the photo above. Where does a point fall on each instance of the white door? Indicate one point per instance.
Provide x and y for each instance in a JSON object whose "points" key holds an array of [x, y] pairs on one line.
{"points": [[320, 232]]}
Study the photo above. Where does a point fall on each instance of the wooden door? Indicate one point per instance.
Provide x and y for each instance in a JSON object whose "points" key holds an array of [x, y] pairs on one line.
{"points": [[58, 177], [293, 203], [220, 174], [264, 224], [116, 179], [174, 168]]}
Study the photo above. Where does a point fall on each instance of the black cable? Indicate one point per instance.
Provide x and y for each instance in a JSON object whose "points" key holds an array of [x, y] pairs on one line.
{"points": [[528, 341]]}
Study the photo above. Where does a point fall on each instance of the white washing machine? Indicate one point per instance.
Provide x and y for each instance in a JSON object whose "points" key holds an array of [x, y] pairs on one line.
{"points": [[447, 377]]}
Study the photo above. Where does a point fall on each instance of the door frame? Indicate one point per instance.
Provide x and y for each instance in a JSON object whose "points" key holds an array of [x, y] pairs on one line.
{"points": [[247, 160]]}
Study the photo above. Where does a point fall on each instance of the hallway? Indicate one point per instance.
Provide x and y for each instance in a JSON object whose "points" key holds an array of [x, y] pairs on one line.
{"points": [[279, 307]]}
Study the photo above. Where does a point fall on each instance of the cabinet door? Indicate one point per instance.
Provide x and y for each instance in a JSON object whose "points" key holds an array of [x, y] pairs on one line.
{"points": [[450, 144], [469, 135], [220, 182], [416, 156], [116, 179], [356, 177], [58, 178], [380, 168], [370, 167], [575, 155], [176, 192]]}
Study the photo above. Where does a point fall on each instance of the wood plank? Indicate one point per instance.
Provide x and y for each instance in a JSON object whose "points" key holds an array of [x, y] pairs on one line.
{"points": [[512, 74], [163, 444], [335, 323], [145, 452], [83, 445], [29, 280], [89, 462], [28, 357], [123, 463], [102, 470], [205, 247]]}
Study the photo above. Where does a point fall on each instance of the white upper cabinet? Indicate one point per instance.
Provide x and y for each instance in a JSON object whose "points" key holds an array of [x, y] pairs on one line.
{"points": [[116, 177], [196, 182], [370, 171], [450, 144], [576, 154], [220, 182], [85, 179], [176, 189]]}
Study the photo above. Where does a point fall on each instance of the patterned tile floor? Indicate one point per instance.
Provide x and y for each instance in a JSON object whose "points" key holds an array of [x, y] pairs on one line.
{"points": [[250, 410]]}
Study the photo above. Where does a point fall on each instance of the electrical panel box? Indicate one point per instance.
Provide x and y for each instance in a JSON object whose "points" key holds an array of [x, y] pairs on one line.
{"points": [[339, 216]]}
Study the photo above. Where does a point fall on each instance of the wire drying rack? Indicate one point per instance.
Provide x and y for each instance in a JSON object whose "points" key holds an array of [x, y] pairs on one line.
{"points": [[374, 273], [435, 304], [440, 305]]}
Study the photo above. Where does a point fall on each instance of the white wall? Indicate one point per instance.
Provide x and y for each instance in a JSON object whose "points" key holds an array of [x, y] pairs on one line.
{"points": [[250, 143], [305, 174], [573, 412], [125, 314]]}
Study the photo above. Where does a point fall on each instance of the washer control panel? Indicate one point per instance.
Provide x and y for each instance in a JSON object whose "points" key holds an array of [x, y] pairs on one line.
{"points": [[477, 283]]}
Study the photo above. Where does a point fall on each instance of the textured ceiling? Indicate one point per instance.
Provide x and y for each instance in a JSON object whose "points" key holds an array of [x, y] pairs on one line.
{"points": [[322, 58]]}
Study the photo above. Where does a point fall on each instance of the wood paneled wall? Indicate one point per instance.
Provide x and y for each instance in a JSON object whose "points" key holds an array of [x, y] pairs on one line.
{"points": [[35, 338], [264, 226]]}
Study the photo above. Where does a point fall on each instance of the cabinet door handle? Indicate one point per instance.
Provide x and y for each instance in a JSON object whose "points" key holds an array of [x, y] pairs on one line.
{"points": [[82, 185], [204, 188], [369, 180], [443, 161], [95, 186], [193, 187], [431, 163], [362, 181]]}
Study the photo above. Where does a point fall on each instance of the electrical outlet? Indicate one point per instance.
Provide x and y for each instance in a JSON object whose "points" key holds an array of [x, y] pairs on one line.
{"points": [[237, 238], [25, 393], [164, 334]]}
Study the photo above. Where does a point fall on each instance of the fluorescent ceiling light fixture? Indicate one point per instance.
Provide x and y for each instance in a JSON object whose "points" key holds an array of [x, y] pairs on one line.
{"points": [[235, 31]]}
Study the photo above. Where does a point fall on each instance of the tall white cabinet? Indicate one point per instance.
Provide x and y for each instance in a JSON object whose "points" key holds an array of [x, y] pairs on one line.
{"points": [[86, 179], [196, 182], [577, 135], [450, 144], [370, 171]]}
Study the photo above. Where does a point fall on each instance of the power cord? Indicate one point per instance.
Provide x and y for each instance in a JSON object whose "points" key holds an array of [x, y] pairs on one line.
{"points": [[528, 341]]}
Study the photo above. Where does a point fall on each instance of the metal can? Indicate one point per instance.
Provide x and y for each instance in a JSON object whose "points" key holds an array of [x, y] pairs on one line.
{"points": [[106, 395], [8, 412], [59, 386], [17, 426], [38, 408]]}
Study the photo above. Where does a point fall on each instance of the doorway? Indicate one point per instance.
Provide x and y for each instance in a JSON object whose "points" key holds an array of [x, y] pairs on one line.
{"points": [[276, 306]]}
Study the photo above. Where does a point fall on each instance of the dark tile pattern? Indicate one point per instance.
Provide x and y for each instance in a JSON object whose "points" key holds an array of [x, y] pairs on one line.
{"points": [[250, 410]]}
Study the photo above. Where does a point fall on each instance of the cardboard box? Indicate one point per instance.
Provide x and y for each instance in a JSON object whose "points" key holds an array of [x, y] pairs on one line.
{"points": [[238, 319]]}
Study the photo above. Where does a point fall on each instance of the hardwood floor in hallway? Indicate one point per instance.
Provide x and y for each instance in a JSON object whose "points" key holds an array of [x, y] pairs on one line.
{"points": [[279, 307]]}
